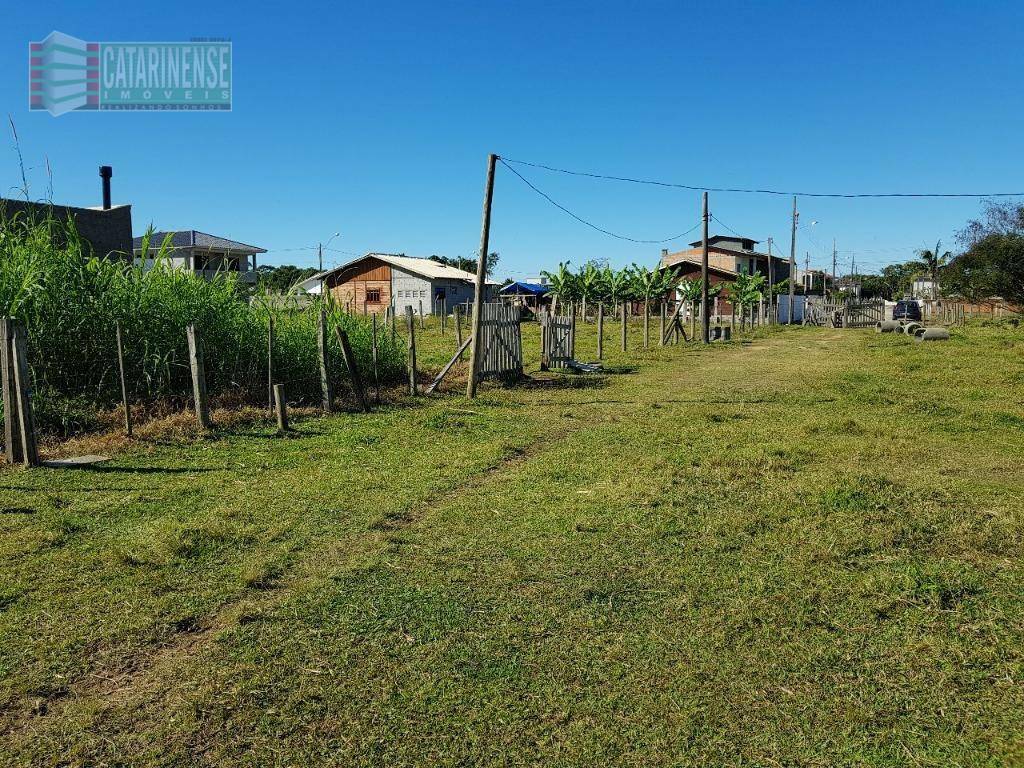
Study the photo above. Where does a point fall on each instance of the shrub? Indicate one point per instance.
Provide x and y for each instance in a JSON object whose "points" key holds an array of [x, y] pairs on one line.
{"points": [[70, 303]]}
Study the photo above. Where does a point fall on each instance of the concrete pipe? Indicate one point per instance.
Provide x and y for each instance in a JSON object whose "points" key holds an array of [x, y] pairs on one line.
{"points": [[932, 334], [910, 328], [887, 326]]}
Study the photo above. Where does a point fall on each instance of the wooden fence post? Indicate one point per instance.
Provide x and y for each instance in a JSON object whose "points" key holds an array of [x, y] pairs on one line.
{"points": [[444, 313], [124, 381], [572, 336], [458, 325], [198, 366], [282, 409], [376, 375], [421, 315], [12, 424], [270, 363], [647, 322], [600, 331], [353, 369], [624, 326], [732, 322], [27, 422], [412, 350], [544, 359], [321, 345], [664, 317]]}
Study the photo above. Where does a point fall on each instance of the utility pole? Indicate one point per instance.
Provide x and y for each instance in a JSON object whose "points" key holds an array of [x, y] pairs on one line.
{"points": [[320, 253], [792, 265], [808, 280], [705, 316], [771, 283], [475, 354]]}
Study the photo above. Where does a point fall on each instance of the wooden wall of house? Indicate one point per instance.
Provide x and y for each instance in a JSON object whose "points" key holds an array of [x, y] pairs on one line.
{"points": [[351, 287]]}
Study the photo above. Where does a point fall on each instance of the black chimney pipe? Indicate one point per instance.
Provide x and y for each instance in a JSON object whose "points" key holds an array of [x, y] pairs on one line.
{"points": [[105, 173]]}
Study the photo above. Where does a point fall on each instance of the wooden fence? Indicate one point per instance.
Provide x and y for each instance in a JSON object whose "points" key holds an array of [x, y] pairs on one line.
{"points": [[501, 341], [558, 340]]}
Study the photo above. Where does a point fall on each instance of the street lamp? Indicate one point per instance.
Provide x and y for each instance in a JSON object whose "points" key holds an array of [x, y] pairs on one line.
{"points": [[320, 250]]}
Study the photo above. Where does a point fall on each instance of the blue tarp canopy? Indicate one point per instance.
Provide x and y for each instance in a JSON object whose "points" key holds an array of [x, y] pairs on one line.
{"points": [[518, 288]]}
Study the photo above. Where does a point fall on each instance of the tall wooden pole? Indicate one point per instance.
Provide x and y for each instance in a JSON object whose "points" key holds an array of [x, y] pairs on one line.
{"points": [[124, 382], [705, 316], [270, 363], [412, 350], [624, 326], [475, 352], [600, 331], [12, 425], [792, 265], [374, 352], [326, 395], [771, 280]]}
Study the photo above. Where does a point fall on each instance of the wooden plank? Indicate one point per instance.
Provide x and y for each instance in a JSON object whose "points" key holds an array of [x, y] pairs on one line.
{"points": [[326, 395], [75, 462], [197, 364], [448, 366], [124, 382], [353, 370], [22, 383]]}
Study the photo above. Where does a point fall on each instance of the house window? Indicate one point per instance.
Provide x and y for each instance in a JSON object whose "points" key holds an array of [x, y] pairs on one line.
{"points": [[373, 296]]}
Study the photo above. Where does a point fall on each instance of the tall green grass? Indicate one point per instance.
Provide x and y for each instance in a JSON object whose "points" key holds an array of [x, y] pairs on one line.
{"points": [[70, 302]]}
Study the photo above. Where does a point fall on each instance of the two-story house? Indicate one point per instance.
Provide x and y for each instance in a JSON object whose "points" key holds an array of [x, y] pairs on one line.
{"points": [[204, 254]]}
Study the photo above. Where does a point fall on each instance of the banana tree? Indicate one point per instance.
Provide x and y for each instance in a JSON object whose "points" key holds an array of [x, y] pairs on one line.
{"points": [[615, 285], [747, 291], [588, 282], [648, 283], [562, 284]]}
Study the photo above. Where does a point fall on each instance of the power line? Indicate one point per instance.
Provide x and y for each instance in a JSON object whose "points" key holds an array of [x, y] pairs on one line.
{"points": [[694, 188], [587, 223]]}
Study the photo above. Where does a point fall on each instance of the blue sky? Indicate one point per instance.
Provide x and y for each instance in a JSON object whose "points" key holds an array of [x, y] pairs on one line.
{"points": [[375, 119]]}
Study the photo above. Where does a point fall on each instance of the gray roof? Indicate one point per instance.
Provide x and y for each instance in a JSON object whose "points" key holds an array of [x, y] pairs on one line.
{"points": [[191, 238], [423, 267]]}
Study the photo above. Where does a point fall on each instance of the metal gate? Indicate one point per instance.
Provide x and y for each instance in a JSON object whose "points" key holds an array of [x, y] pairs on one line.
{"points": [[501, 341], [558, 340]]}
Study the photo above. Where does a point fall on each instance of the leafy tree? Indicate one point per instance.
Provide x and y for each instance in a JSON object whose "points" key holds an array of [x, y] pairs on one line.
{"points": [[467, 264], [1005, 218], [993, 266], [283, 278], [932, 261]]}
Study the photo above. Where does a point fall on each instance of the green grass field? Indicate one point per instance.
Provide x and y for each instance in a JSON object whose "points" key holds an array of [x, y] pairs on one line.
{"points": [[802, 550]]}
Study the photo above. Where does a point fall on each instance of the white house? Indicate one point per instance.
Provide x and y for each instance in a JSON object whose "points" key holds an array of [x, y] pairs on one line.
{"points": [[204, 254]]}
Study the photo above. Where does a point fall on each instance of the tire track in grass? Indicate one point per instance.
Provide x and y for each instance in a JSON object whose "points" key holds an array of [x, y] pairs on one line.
{"points": [[140, 676]]}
